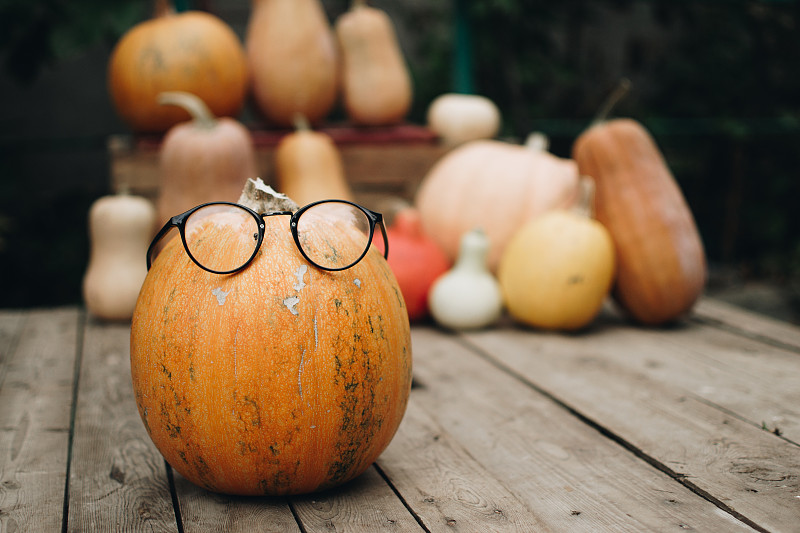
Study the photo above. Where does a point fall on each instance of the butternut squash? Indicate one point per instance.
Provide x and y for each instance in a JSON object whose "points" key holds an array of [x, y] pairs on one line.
{"points": [[120, 228], [376, 83], [293, 60], [308, 166]]}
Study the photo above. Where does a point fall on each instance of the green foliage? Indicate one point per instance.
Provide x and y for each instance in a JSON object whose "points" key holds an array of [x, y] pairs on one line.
{"points": [[715, 82], [37, 33]]}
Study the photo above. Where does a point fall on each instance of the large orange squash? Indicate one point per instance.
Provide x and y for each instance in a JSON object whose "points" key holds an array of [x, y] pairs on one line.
{"points": [[192, 51], [661, 266], [279, 379], [292, 54]]}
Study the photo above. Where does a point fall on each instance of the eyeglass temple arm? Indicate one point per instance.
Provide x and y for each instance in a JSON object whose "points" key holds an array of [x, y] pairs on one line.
{"points": [[385, 238], [163, 231]]}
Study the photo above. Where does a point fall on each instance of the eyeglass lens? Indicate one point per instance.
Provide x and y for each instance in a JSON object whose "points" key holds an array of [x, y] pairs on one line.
{"points": [[334, 235], [221, 237]]}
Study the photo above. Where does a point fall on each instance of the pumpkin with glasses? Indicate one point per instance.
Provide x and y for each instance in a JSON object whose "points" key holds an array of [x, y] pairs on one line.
{"points": [[270, 346]]}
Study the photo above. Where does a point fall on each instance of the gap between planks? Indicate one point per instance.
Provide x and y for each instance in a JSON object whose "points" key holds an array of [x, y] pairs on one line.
{"points": [[616, 438]]}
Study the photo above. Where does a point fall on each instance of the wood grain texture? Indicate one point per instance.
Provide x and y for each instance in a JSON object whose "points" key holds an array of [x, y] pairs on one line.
{"points": [[386, 166], [202, 510], [365, 504], [616, 428], [570, 475], [747, 323], [448, 489], [613, 376], [117, 476], [35, 399]]}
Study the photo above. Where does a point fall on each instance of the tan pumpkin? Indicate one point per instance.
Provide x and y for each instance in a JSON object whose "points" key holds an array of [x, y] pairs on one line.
{"points": [[376, 83], [308, 166], [496, 186], [120, 229], [193, 51], [204, 160], [558, 268], [660, 257], [292, 54], [279, 379], [459, 118]]}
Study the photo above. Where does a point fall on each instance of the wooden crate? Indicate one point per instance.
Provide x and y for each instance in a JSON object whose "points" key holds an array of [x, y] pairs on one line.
{"points": [[381, 164]]}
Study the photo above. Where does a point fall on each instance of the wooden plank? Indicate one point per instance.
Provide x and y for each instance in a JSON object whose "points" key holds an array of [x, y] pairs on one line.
{"points": [[739, 374], [724, 315], [10, 332], [567, 472], [118, 479], [372, 169], [606, 376], [35, 405], [445, 486], [754, 381], [365, 504], [202, 510]]}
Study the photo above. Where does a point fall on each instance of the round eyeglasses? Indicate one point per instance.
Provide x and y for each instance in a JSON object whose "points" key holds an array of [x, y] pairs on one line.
{"points": [[224, 237]]}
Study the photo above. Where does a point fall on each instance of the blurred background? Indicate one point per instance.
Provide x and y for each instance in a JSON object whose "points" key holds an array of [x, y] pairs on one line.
{"points": [[716, 82]]}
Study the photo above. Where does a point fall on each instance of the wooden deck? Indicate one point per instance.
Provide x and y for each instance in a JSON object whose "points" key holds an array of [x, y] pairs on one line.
{"points": [[620, 428]]}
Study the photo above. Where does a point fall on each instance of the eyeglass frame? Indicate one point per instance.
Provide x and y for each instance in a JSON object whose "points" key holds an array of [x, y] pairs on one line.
{"points": [[179, 221]]}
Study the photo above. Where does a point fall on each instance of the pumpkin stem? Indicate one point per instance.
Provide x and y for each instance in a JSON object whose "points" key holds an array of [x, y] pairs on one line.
{"points": [[262, 198], [201, 114], [198, 109], [538, 141], [585, 205], [616, 95], [300, 122], [473, 251], [358, 4], [163, 8]]}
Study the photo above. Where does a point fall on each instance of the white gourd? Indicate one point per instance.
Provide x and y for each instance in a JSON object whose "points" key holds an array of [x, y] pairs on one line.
{"points": [[467, 296], [120, 229], [459, 118]]}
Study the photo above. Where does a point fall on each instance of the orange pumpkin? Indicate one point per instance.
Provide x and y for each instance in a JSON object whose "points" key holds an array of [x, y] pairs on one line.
{"points": [[496, 186], [661, 266], [192, 51], [292, 54], [279, 379]]}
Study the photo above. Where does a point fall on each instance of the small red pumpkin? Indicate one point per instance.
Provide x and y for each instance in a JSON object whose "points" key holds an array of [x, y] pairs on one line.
{"points": [[279, 379], [416, 260]]}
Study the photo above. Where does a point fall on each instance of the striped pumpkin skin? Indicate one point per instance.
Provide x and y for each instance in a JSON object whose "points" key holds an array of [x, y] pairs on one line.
{"points": [[279, 379]]}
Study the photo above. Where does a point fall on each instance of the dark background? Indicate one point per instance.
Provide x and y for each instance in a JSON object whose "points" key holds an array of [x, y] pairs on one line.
{"points": [[716, 82]]}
